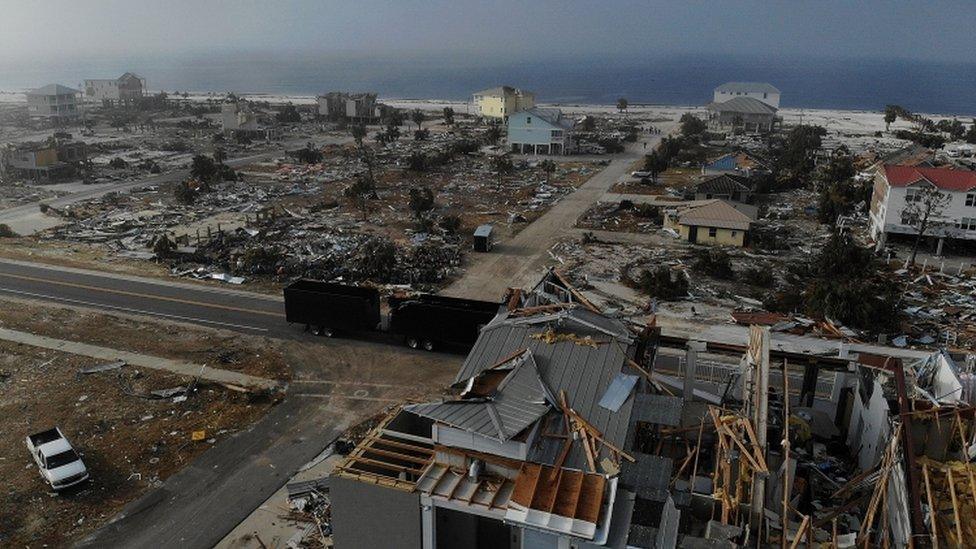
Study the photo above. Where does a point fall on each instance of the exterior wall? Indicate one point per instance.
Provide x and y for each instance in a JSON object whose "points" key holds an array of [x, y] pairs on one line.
{"points": [[527, 129], [102, 90], [459, 438], [879, 205], [494, 106], [738, 196], [59, 107], [888, 202], [500, 106], [723, 237], [32, 160], [131, 87], [236, 117], [767, 98], [366, 515]]}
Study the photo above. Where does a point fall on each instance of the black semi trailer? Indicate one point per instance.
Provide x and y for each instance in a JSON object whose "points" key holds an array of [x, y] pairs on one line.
{"points": [[430, 320], [423, 321], [330, 308]]}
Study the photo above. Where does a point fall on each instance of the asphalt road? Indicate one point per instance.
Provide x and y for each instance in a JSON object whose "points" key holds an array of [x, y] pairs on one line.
{"points": [[252, 313]]}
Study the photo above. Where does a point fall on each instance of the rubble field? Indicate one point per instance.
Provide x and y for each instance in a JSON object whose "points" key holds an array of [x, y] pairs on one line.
{"points": [[281, 219], [672, 182], [129, 442]]}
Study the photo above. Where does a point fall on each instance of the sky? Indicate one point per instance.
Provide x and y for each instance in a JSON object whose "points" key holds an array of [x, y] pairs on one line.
{"points": [[499, 30]]}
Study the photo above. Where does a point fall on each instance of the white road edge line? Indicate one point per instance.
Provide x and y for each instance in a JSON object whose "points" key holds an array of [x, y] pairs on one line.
{"points": [[128, 310], [348, 397]]}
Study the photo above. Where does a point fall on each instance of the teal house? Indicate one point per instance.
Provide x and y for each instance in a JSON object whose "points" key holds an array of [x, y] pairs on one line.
{"points": [[540, 131]]}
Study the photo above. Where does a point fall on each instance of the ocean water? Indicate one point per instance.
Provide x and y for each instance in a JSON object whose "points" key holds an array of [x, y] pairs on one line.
{"points": [[854, 84]]}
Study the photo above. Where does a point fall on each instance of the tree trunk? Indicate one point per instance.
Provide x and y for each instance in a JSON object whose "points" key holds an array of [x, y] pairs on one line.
{"points": [[918, 238]]}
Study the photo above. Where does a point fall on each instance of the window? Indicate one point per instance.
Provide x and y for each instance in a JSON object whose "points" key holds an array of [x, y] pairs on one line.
{"points": [[971, 199], [913, 195], [968, 224], [528, 119], [557, 134], [734, 233], [712, 232]]}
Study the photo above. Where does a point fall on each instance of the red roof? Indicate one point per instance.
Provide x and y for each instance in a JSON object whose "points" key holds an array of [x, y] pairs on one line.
{"points": [[943, 178]]}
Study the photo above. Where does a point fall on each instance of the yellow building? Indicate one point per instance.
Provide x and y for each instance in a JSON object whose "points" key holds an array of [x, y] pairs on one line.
{"points": [[501, 101], [716, 223]]}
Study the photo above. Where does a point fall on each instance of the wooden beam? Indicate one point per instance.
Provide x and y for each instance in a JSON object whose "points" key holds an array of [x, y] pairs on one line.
{"points": [[932, 518], [396, 455], [456, 485], [799, 533], [388, 466], [955, 506], [403, 446]]}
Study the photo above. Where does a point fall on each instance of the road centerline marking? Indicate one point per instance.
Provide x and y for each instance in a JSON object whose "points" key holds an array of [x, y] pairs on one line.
{"points": [[140, 295]]}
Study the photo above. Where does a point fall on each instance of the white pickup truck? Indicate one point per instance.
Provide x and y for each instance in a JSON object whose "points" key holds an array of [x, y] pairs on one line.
{"points": [[57, 461]]}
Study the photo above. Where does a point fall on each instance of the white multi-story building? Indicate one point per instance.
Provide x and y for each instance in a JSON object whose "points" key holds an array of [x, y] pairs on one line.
{"points": [[54, 102], [767, 93], [896, 186]]}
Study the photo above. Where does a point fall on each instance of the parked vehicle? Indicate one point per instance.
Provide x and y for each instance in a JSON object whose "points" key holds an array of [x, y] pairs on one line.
{"points": [[423, 321], [330, 308], [640, 174], [427, 321], [59, 463]]}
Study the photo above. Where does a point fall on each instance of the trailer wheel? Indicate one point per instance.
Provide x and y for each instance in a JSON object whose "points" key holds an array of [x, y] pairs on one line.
{"points": [[413, 343], [428, 345]]}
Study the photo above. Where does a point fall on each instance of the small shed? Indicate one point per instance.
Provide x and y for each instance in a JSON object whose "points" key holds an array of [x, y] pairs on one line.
{"points": [[484, 238]]}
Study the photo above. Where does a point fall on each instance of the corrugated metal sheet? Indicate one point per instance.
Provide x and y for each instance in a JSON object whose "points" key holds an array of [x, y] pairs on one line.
{"points": [[583, 372], [618, 392], [521, 400], [657, 409], [649, 476]]}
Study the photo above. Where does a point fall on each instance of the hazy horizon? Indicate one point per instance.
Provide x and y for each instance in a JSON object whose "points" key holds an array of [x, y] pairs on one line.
{"points": [[506, 30]]}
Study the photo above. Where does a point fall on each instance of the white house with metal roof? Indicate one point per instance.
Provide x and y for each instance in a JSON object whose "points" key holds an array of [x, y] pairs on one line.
{"points": [[54, 102], [537, 131], [767, 93]]}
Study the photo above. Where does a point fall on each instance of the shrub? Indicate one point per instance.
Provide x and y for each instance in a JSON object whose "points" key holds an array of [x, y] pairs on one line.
{"points": [[451, 223], [185, 193], [715, 262], [661, 283], [6, 231], [758, 276]]}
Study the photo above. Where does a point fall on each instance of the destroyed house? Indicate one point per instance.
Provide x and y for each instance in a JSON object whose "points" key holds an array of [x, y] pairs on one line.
{"points": [[530, 448], [43, 161]]}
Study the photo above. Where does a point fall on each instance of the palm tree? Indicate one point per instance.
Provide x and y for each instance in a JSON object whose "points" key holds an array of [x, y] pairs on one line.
{"points": [[418, 117]]}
